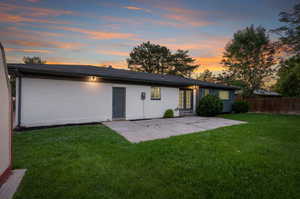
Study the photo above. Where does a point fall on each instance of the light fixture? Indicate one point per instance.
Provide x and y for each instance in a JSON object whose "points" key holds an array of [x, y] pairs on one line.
{"points": [[93, 78]]}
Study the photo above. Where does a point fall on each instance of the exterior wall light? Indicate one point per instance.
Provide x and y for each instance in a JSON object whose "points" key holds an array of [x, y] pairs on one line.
{"points": [[93, 78], [194, 87]]}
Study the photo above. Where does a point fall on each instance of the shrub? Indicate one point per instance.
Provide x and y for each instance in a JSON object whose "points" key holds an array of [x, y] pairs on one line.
{"points": [[209, 105], [240, 107], [169, 113]]}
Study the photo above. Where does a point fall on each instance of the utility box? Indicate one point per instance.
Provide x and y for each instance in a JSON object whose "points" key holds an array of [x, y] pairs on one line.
{"points": [[143, 95]]}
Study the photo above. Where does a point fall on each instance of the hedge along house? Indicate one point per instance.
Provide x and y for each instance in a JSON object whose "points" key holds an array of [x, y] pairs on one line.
{"points": [[69, 94]]}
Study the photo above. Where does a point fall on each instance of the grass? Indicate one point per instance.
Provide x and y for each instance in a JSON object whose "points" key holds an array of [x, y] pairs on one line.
{"points": [[260, 159]]}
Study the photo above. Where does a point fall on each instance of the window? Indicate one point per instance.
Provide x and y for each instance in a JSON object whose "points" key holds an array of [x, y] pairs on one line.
{"points": [[155, 93], [206, 91], [224, 95], [188, 99], [181, 99]]}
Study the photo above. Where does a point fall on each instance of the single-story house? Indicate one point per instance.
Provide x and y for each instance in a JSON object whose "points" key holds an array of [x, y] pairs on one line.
{"points": [[65, 94]]}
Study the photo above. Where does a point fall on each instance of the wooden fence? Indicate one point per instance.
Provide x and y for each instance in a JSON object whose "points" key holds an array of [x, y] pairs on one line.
{"points": [[286, 105]]}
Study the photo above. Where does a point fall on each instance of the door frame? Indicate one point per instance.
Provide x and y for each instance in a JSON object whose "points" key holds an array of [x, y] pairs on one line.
{"points": [[184, 109], [118, 118]]}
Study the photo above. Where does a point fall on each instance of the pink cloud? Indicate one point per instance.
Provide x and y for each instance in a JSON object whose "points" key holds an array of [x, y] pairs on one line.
{"points": [[187, 20], [27, 43], [186, 16], [34, 11], [34, 32], [132, 8], [33, 1], [176, 12], [99, 35], [27, 50], [67, 45], [182, 11], [19, 19], [136, 8], [46, 44], [122, 20], [212, 44], [112, 52], [13, 33], [144, 21]]}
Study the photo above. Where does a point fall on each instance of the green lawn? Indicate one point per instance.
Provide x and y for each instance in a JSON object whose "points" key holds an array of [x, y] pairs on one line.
{"points": [[260, 159]]}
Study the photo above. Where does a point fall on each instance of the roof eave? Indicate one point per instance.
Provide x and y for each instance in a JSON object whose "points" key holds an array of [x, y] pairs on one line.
{"points": [[20, 72], [14, 68]]}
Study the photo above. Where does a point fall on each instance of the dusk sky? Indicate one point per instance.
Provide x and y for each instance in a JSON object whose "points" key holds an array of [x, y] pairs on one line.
{"points": [[104, 32]]}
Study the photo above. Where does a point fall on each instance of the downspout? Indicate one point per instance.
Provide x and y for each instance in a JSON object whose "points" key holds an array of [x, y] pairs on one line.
{"points": [[197, 96], [19, 101]]}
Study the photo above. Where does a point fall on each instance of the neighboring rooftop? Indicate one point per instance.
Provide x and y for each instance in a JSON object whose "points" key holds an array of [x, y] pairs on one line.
{"points": [[266, 93], [110, 74]]}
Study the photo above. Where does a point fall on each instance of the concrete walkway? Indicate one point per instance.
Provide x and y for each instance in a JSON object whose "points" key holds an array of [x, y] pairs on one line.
{"points": [[8, 189], [144, 130]]}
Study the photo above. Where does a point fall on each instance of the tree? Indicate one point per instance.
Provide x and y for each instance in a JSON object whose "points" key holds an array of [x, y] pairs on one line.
{"points": [[181, 64], [290, 33], [288, 83], [153, 58], [207, 76], [33, 60], [229, 79], [250, 58]]}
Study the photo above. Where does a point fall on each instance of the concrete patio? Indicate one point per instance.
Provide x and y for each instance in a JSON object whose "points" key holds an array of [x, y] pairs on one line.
{"points": [[144, 130]]}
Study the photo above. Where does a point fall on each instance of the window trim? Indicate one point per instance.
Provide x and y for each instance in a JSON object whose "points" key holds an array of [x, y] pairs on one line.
{"points": [[224, 91], [182, 100], [154, 98], [204, 92]]}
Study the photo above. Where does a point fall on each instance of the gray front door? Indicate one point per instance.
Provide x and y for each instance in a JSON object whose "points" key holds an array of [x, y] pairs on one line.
{"points": [[118, 104]]}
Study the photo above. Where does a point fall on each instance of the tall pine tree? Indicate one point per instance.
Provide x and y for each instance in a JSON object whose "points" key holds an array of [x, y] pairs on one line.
{"points": [[153, 58]]}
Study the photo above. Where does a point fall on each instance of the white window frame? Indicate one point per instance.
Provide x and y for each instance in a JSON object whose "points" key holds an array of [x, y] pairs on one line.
{"points": [[206, 91], [181, 99], [154, 93], [224, 96]]}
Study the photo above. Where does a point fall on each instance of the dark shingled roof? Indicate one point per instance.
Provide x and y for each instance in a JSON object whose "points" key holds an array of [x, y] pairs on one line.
{"points": [[265, 92], [110, 74]]}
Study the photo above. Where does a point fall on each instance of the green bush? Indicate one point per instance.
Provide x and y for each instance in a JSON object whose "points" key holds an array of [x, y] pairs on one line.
{"points": [[169, 113], [209, 105], [240, 107]]}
